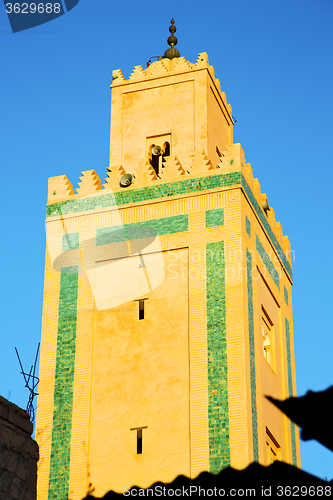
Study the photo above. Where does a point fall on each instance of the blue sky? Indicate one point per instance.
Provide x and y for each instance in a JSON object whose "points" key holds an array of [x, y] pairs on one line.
{"points": [[274, 61]]}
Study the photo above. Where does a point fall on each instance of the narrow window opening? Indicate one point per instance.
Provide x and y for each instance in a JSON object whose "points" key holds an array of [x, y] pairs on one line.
{"points": [[166, 149], [141, 309], [155, 160], [267, 338], [139, 442], [273, 448], [219, 154]]}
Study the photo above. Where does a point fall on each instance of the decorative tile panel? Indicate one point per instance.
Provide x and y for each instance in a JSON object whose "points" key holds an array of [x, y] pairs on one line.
{"points": [[63, 388], [143, 194], [252, 358], [286, 296], [218, 409], [215, 217], [145, 229], [290, 389], [267, 261], [248, 225], [156, 191], [70, 241], [265, 223]]}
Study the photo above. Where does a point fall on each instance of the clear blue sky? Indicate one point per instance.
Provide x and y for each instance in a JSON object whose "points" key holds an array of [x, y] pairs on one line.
{"points": [[274, 61]]}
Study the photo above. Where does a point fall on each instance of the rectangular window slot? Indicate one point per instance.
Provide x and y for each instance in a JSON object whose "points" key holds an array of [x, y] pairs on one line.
{"points": [[141, 309], [139, 442], [273, 448], [139, 438]]}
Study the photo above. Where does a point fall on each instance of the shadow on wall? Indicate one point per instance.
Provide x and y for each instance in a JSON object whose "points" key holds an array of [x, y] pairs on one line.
{"points": [[312, 413]]}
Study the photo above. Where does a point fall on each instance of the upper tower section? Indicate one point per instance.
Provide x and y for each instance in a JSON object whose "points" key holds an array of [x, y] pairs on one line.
{"points": [[173, 104]]}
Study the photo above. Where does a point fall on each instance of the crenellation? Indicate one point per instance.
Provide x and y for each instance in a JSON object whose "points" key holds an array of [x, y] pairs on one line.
{"points": [[271, 219], [249, 175], [114, 174], [137, 73], [90, 182], [117, 74], [232, 158], [199, 164], [202, 60], [156, 68], [145, 174], [181, 64], [59, 187], [286, 247], [279, 233], [172, 170], [257, 190], [212, 72]]}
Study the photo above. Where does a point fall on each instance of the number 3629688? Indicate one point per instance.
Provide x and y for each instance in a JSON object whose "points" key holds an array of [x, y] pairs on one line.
{"points": [[32, 8]]}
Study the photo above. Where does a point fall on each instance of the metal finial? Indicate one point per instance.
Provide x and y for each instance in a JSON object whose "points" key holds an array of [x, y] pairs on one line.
{"points": [[172, 41]]}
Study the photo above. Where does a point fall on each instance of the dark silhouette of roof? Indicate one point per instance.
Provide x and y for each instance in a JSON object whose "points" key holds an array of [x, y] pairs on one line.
{"points": [[313, 413]]}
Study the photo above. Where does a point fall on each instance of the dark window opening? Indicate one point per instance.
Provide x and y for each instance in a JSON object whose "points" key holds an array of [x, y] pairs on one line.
{"points": [[165, 152], [141, 309], [166, 149], [155, 160], [218, 152], [139, 442]]}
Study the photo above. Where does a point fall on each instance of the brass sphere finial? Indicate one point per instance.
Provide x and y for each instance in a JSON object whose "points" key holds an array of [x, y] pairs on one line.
{"points": [[172, 41]]}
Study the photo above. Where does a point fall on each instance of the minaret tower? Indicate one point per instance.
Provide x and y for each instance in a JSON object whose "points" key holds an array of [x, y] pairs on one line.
{"points": [[167, 303]]}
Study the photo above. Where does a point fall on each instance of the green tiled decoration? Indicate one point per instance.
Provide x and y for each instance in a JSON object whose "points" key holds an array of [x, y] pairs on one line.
{"points": [[248, 225], [265, 223], [63, 388], [290, 390], [218, 409], [215, 217], [252, 358], [107, 199], [70, 241], [145, 229], [267, 261], [286, 296]]}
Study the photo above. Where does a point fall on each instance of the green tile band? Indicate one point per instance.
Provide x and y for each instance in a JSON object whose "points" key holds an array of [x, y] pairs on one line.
{"points": [[252, 359], [63, 387], [218, 409], [215, 217], [290, 390], [263, 219], [107, 199], [145, 229], [70, 241], [267, 261], [286, 296], [248, 225]]}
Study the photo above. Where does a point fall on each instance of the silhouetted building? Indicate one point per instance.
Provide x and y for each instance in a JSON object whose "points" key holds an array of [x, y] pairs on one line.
{"points": [[18, 454]]}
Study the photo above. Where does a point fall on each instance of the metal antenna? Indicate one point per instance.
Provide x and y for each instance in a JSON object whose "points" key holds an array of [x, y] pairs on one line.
{"points": [[31, 382]]}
